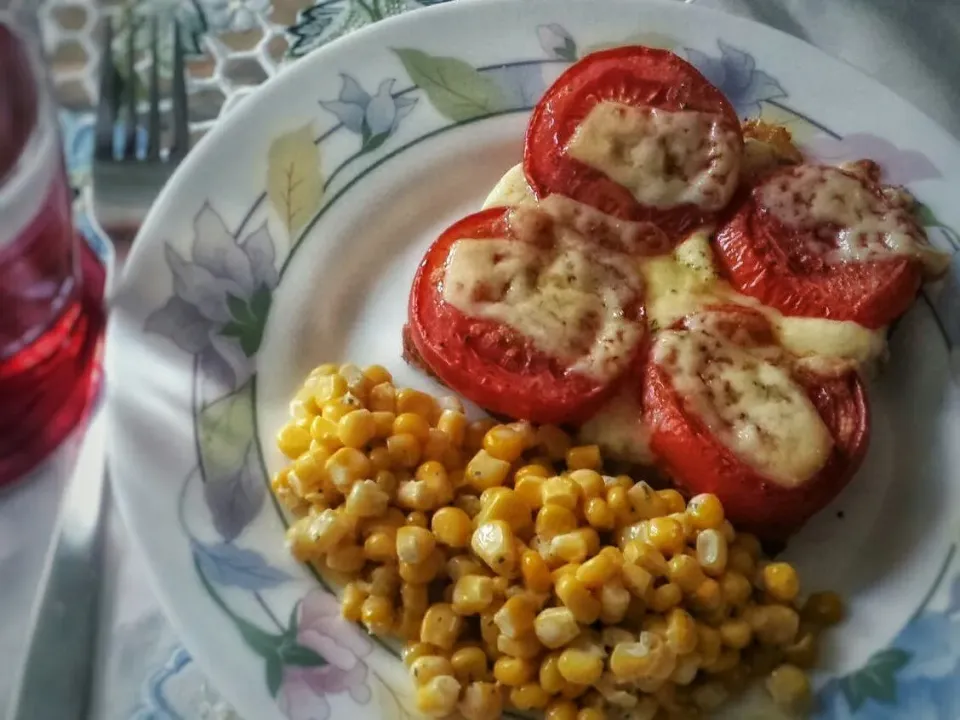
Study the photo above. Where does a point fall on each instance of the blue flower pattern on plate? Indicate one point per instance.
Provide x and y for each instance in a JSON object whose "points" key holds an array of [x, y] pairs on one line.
{"points": [[735, 73], [373, 117]]}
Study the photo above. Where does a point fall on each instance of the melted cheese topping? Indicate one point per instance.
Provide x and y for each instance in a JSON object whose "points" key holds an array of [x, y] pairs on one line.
{"points": [[566, 296], [687, 280], [752, 406], [510, 190], [618, 428], [868, 227], [663, 158]]}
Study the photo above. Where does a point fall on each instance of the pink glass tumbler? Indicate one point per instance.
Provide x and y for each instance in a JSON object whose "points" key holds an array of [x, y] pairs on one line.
{"points": [[51, 283]]}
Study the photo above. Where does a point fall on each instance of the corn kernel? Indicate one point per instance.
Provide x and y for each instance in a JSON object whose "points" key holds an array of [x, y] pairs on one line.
{"points": [[414, 597], [293, 440], [470, 504], [476, 430], [681, 632], [437, 447], [601, 568], [351, 607], [452, 527], [598, 513], [346, 558], [481, 701], [412, 424], [789, 687], [312, 536], [804, 650], [472, 594], [735, 588], [438, 697], [736, 633], [494, 543], [781, 581], [553, 520], [422, 573], [647, 658], [469, 664], [382, 398], [441, 626], [685, 572], [773, 624], [555, 627], [619, 504], [580, 666], [665, 597], [454, 425], [328, 387], [337, 409], [529, 696], [377, 614], [672, 501], [536, 574], [526, 646], [708, 595], [426, 663], [712, 552], [666, 535], [561, 710], [366, 499], [507, 506], [614, 602], [416, 650], [561, 491], [570, 547], [549, 674], [414, 544], [417, 495], [503, 443], [572, 691], [485, 471], [637, 580], [513, 672], [529, 488], [404, 449], [356, 428], [823, 609], [584, 457], [591, 713], [573, 594], [645, 501], [346, 466], [705, 511]]}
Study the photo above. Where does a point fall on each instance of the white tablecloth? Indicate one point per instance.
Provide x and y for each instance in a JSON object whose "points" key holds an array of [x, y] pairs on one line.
{"points": [[143, 671]]}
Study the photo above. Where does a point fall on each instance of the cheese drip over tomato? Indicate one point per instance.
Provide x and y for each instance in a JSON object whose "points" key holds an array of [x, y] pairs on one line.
{"points": [[854, 221], [751, 405], [663, 158], [569, 297]]}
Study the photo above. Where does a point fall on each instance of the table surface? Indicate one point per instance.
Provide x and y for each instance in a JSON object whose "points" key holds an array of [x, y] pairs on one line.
{"points": [[142, 670]]}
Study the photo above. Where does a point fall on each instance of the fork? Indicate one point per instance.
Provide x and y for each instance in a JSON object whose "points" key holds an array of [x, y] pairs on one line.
{"points": [[125, 180]]}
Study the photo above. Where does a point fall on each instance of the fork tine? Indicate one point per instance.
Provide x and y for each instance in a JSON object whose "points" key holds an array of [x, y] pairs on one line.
{"points": [[108, 103], [181, 130], [153, 121], [130, 134]]}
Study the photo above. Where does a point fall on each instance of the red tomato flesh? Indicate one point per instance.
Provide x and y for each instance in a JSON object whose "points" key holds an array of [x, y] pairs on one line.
{"points": [[778, 265], [698, 462], [488, 362], [636, 76]]}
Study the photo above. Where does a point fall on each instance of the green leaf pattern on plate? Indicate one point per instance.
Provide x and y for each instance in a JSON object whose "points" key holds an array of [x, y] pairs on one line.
{"points": [[456, 89], [294, 182]]}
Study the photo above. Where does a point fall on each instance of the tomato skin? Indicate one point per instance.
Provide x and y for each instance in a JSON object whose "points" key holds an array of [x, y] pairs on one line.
{"points": [[763, 258], [634, 76], [697, 462], [487, 362]]}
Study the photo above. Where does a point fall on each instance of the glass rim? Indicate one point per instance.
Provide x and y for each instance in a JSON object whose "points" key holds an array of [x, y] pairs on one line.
{"points": [[24, 188]]}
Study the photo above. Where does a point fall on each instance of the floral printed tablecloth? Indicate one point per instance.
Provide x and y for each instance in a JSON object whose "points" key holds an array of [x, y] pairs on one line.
{"points": [[143, 671]]}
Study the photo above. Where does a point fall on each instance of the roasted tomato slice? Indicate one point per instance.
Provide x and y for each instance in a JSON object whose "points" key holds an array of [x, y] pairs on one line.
{"points": [[730, 415], [524, 319], [822, 241], [639, 134]]}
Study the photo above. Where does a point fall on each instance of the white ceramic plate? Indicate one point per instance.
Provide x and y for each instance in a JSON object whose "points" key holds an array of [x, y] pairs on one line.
{"points": [[290, 237]]}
